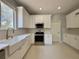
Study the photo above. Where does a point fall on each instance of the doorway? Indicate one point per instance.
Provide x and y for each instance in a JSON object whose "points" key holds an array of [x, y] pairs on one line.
{"points": [[57, 32]]}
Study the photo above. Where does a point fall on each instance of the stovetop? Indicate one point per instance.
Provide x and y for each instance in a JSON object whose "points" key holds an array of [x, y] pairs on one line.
{"points": [[39, 33]]}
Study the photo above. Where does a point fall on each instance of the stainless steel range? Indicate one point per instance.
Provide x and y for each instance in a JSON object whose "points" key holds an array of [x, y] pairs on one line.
{"points": [[39, 35]]}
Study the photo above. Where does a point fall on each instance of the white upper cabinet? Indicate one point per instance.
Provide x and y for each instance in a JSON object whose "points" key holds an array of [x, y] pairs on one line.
{"points": [[72, 19], [23, 18], [32, 22], [45, 19], [38, 19]]}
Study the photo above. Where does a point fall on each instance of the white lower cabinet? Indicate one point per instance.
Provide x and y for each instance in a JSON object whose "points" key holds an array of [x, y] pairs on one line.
{"points": [[72, 40], [21, 51], [48, 38], [33, 38], [76, 42], [24, 49], [16, 55]]}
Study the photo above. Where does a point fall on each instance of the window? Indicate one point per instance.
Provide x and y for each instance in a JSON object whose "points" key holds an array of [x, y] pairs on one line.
{"points": [[7, 16]]}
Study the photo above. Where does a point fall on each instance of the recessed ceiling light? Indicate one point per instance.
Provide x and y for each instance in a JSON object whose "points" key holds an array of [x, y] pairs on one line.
{"points": [[59, 7], [40, 8]]}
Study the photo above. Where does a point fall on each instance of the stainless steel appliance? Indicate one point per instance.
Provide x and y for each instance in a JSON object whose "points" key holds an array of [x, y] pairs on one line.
{"points": [[39, 25], [39, 35]]}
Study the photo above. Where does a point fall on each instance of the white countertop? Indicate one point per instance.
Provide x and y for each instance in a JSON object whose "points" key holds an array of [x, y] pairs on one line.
{"points": [[3, 46], [14, 40]]}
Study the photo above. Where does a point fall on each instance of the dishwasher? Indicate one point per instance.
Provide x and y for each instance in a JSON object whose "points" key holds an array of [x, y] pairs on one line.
{"points": [[2, 54]]}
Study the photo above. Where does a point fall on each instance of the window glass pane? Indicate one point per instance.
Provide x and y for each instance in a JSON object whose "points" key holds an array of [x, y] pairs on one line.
{"points": [[6, 16]]}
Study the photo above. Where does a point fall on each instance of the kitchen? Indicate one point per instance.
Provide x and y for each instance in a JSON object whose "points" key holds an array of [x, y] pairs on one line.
{"points": [[22, 28]]}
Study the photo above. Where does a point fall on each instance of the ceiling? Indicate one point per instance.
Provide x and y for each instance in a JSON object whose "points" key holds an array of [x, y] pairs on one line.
{"points": [[49, 6]]}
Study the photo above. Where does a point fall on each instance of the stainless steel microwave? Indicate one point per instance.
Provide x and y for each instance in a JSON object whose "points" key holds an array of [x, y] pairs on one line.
{"points": [[39, 25]]}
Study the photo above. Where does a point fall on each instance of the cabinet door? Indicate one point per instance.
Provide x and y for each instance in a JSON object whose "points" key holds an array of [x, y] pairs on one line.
{"points": [[47, 21], [48, 39], [77, 42], [23, 18], [65, 38], [72, 19], [69, 39], [38, 19], [20, 17], [16, 55], [26, 19], [35, 19], [74, 43], [33, 38], [23, 49], [32, 21]]}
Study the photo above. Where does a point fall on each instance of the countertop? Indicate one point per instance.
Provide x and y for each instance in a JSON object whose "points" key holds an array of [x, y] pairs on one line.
{"points": [[3, 46], [12, 41]]}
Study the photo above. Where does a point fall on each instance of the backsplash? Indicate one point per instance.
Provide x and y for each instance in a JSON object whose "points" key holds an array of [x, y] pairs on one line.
{"points": [[2, 34], [16, 32], [33, 30]]}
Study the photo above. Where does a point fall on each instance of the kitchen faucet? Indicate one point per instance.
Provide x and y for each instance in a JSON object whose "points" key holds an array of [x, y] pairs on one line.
{"points": [[9, 35]]}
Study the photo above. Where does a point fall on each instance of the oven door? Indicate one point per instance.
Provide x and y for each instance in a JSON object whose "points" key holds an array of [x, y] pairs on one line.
{"points": [[39, 38]]}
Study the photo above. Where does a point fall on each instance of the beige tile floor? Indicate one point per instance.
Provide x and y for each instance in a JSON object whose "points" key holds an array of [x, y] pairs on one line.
{"points": [[55, 51]]}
